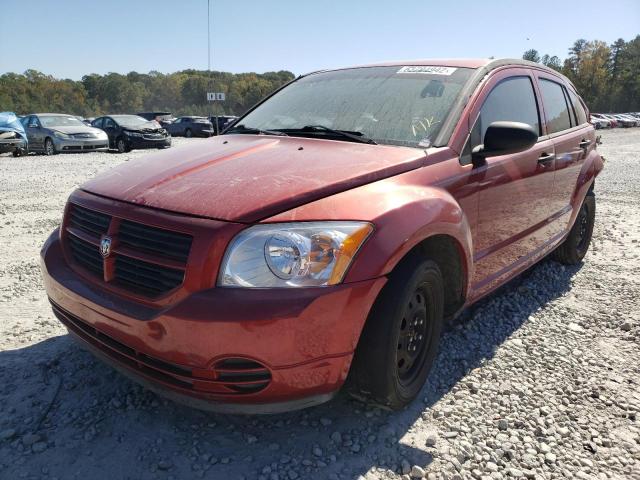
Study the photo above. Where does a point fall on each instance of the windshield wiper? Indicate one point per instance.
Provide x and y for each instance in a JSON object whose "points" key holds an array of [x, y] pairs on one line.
{"points": [[259, 131], [355, 136]]}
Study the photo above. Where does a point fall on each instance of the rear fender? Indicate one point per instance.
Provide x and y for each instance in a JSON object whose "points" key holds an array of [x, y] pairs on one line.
{"points": [[592, 166]]}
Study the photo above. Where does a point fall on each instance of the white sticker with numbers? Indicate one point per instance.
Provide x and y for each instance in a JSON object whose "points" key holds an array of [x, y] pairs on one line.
{"points": [[429, 70]]}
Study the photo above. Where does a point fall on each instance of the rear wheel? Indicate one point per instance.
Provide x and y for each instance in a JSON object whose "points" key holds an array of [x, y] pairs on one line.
{"points": [[576, 245], [49, 147], [400, 340], [188, 133]]}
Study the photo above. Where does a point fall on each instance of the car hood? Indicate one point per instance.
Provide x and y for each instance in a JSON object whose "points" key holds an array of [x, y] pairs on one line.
{"points": [[74, 129], [144, 127], [246, 178]]}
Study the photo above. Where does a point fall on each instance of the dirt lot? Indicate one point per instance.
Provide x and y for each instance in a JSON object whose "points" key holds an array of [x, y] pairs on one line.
{"points": [[539, 381]]}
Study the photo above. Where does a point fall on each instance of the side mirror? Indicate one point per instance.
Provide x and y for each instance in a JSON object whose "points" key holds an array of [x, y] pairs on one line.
{"points": [[503, 138]]}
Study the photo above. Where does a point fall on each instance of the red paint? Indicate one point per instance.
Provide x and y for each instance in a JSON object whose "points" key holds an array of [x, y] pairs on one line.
{"points": [[503, 216]]}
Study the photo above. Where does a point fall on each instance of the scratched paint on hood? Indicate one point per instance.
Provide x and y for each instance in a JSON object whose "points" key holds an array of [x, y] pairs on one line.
{"points": [[245, 178]]}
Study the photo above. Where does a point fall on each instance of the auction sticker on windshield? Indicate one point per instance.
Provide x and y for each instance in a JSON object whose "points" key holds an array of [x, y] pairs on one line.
{"points": [[431, 70]]}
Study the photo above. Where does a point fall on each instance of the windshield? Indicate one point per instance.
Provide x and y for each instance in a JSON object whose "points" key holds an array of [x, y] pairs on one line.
{"points": [[389, 105], [130, 120], [60, 121]]}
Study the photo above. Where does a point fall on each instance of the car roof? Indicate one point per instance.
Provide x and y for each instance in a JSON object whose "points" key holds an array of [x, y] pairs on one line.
{"points": [[53, 114]]}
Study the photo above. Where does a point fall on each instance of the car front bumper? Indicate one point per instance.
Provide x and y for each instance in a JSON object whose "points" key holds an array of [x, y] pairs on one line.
{"points": [[81, 145], [140, 143], [305, 338]]}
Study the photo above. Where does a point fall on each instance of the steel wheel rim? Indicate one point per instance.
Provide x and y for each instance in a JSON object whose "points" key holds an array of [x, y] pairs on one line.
{"points": [[414, 338], [48, 147], [583, 227], [188, 134], [121, 145]]}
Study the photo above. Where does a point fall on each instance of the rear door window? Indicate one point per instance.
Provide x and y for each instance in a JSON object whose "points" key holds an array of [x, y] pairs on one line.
{"points": [[98, 122], [555, 106], [512, 100]]}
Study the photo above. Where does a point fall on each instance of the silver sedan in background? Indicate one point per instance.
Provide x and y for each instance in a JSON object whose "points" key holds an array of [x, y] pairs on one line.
{"points": [[52, 133]]}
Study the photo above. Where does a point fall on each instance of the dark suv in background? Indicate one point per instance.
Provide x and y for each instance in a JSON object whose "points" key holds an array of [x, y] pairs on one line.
{"points": [[190, 127]]}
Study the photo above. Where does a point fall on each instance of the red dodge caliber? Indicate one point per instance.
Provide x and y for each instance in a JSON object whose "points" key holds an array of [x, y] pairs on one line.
{"points": [[327, 235]]}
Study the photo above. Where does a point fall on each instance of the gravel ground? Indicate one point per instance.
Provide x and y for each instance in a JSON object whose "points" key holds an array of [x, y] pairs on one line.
{"points": [[539, 381]]}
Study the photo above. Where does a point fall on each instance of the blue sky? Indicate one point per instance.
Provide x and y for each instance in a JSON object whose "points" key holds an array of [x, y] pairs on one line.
{"points": [[69, 38]]}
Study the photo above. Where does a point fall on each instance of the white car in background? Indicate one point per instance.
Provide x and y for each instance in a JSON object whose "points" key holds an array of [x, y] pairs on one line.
{"points": [[599, 122]]}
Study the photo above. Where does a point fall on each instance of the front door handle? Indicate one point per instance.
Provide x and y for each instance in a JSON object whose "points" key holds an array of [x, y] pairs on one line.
{"points": [[584, 143], [546, 157]]}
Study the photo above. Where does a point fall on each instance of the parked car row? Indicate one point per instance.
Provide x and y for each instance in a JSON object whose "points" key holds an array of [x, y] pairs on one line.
{"points": [[613, 120], [52, 133]]}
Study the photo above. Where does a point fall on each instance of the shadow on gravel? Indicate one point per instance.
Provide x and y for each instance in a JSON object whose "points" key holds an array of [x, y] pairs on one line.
{"points": [[67, 415]]}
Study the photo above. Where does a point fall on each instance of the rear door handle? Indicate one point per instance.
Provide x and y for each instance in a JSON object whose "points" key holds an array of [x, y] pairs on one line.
{"points": [[584, 143], [546, 157]]}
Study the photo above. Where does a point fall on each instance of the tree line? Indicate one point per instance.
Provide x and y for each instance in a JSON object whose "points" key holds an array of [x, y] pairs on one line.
{"points": [[183, 93], [606, 76]]}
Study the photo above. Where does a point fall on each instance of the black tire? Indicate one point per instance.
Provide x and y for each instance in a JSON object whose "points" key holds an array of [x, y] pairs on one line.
{"points": [[188, 133], [385, 369], [121, 145], [576, 245], [49, 147]]}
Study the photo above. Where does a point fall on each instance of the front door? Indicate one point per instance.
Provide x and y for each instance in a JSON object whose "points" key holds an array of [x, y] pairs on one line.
{"points": [[513, 190], [35, 133]]}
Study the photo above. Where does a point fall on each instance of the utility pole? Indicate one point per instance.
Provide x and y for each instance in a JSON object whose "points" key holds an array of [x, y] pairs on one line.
{"points": [[215, 126]]}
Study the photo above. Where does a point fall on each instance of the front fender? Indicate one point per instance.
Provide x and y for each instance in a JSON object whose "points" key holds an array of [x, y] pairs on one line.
{"points": [[404, 214]]}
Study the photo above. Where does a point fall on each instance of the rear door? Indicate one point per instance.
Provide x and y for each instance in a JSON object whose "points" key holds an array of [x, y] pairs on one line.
{"points": [[513, 190], [573, 138]]}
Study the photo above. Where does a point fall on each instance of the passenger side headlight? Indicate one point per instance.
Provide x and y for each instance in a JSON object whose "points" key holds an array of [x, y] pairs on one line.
{"points": [[301, 254], [61, 135]]}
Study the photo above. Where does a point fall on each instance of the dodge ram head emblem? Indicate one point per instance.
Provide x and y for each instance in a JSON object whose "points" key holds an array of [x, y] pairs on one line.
{"points": [[105, 246]]}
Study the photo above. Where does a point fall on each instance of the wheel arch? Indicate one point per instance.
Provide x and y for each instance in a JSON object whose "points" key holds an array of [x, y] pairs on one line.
{"points": [[447, 252]]}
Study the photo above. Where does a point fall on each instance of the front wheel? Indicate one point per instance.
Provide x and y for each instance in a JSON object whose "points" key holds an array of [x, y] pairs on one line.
{"points": [[121, 145], [400, 339], [575, 246], [49, 147]]}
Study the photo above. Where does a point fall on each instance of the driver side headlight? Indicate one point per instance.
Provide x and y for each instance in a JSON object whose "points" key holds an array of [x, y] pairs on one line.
{"points": [[305, 254]]}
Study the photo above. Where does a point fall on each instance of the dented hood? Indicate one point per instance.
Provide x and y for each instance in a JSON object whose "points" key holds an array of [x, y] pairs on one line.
{"points": [[246, 178]]}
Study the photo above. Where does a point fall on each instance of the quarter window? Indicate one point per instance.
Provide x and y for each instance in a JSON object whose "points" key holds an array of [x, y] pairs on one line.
{"points": [[555, 106], [578, 108]]}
